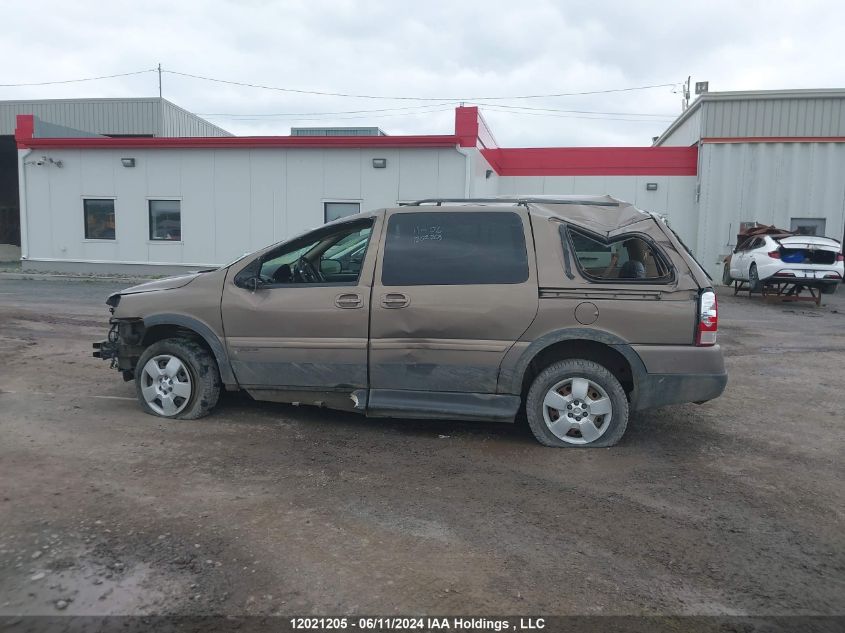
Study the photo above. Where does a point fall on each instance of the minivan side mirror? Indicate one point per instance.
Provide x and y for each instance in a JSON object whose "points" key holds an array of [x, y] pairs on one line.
{"points": [[330, 267], [253, 283]]}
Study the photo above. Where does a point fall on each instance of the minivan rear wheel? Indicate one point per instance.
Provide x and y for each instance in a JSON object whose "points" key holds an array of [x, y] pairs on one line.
{"points": [[177, 378], [577, 402]]}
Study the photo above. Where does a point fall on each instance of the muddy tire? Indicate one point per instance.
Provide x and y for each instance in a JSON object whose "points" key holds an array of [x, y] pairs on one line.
{"points": [[754, 284], [577, 403], [177, 378], [829, 289], [727, 280]]}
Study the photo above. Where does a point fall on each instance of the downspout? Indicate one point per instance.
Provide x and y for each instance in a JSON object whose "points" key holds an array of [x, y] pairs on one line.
{"points": [[467, 171], [22, 156]]}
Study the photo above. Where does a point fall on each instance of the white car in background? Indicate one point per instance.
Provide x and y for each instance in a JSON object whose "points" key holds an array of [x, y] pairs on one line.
{"points": [[810, 260]]}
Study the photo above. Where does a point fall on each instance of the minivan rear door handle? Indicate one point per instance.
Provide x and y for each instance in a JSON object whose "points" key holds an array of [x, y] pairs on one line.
{"points": [[348, 301], [394, 300]]}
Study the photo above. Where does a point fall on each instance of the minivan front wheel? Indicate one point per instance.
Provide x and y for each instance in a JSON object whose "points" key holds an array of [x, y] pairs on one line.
{"points": [[177, 378], [577, 402]]}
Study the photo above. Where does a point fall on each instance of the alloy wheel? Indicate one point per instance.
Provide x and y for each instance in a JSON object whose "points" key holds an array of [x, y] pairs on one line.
{"points": [[166, 385], [577, 410]]}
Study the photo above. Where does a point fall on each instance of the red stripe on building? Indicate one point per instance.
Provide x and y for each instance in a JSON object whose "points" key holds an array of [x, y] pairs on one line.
{"points": [[470, 131], [594, 161]]}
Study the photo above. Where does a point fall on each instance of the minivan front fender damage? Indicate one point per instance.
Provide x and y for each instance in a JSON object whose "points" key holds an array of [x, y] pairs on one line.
{"points": [[206, 333], [128, 338]]}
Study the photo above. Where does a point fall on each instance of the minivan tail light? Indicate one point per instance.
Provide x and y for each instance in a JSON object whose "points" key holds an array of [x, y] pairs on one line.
{"points": [[774, 254], [708, 319]]}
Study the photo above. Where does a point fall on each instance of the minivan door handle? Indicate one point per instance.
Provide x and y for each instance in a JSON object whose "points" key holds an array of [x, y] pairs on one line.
{"points": [[394, 300], [349, 301]]}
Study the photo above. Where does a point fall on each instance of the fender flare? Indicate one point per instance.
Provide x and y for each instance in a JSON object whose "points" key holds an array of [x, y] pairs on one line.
{"points": [[207, 334], [513, 381]]}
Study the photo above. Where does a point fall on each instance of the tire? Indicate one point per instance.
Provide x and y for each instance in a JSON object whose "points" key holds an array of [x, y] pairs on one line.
{"points": [[727, 280], [191, 382], [754, 284], [829, 289], [561, 378]]}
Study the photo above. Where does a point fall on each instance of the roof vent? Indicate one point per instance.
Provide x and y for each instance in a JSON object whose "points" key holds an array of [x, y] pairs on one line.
{"points": [[336, 131]]}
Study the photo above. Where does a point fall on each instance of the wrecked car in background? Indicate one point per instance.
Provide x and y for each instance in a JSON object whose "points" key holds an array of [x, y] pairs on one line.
{"points": [[767, 254], [577, 309]]}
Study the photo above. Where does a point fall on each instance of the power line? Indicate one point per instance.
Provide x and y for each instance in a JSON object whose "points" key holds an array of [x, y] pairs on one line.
{"points": [[161, 70], [287, 115], [73, 81], [397, 111], [271, 115], [575, 116], [341, 118], [386, 97], [641, 114]]}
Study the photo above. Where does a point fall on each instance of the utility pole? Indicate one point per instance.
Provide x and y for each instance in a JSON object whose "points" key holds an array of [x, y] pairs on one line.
{"points": [[159, 80]]}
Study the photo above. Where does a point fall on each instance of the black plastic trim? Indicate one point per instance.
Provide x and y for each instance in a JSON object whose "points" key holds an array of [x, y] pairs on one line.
{"points": [[206, 333], [658, 390], [510, 381], [442, 405]]}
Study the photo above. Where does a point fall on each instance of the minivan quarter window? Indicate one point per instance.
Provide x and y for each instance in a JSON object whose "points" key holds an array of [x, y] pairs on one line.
{"points": [[628, 258], [454, 248]]}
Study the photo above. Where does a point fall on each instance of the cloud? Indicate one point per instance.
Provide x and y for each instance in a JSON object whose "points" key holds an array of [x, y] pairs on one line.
{"points": [[436, 49]]}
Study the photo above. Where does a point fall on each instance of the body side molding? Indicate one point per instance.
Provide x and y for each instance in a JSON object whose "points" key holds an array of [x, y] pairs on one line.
{"points": [[388, 403]]}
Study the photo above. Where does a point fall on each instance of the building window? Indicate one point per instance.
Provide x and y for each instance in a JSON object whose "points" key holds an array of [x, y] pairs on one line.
{"points": [[165, 220], [337, 210], [808, 226], [445, 248], [99, 219]]}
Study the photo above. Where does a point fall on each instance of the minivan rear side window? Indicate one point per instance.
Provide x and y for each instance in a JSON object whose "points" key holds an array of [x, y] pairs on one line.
{"points": [[626, 258], [446, 248]]}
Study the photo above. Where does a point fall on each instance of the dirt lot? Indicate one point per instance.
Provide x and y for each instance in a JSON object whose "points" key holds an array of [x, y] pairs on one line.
{"points": [[732, 507]]}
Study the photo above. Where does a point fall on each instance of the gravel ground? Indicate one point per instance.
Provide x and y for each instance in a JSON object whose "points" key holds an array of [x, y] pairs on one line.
{"points": [[732, 507]]}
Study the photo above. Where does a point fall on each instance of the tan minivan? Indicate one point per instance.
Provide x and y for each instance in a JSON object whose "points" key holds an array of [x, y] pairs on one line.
{"points": [[575, 309]]}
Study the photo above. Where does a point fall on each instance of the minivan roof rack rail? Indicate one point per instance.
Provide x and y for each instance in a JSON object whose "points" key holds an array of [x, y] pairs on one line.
{"points": [[440, 201]]}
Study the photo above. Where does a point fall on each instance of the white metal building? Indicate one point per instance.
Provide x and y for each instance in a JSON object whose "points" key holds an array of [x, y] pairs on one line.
{"points": [[189, 202], [161, 204], [148, 117], [771, 157]]}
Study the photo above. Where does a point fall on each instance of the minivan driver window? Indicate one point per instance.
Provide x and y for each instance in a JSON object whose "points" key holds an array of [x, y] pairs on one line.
{"points": [[321, 257]]}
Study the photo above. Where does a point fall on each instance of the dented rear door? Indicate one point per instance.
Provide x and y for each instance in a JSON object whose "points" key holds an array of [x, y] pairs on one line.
{"points": [[452, 292]]}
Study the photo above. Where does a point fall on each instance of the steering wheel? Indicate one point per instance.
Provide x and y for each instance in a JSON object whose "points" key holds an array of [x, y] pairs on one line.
{"points": [[306, 272]]}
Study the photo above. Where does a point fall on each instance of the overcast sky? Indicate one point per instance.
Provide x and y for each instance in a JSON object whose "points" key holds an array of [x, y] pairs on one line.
{"points": [[453, 49]]}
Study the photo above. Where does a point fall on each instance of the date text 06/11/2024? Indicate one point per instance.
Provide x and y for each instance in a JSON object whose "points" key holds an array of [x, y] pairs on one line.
{"points": [[416, 624]]}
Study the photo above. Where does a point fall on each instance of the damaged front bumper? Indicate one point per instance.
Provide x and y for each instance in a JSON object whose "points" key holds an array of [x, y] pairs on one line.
{"points": [[108, 349], [122, 346]]}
